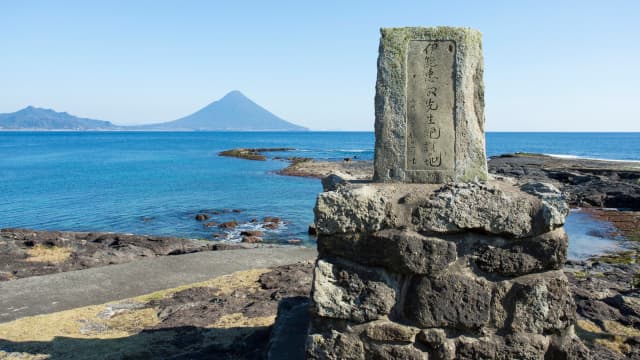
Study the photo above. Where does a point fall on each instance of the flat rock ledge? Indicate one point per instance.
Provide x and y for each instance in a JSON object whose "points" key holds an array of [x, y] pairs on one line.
{"points": [[453, 271]]}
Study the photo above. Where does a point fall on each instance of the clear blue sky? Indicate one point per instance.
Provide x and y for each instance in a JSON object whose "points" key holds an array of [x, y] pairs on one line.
{"points": [[549, 65]]}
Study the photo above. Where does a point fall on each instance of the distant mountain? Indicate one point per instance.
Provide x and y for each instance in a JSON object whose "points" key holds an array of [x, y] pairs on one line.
{"points": [[33, 118], [234, 112]]}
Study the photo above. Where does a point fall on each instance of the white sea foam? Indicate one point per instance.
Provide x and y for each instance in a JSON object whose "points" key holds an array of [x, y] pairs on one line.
{"points": [[234, 235], [576, 157], [354, 150]]}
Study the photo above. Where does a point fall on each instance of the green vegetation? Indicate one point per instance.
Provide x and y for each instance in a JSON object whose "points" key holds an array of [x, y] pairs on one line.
{"points": [[624, 257], [581, 274]]}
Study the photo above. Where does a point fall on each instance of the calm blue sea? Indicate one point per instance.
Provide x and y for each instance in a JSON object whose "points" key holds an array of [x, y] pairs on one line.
{"points": [[156, 182]]}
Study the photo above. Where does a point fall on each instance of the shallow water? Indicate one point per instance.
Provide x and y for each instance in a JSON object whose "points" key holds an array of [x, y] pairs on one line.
{"points": [[589, 236]]}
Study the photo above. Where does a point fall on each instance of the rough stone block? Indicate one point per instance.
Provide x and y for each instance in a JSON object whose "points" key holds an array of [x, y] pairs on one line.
{"points": [[475, 348], [494, 208], [532, 347], [403, 252], [429, 106], [393, 352], [450, 300], [521, 257], [352, 209], [390, 332], [334, 346], [437, 344], [567, 345], [432, 337], [351, 292], [537, 303], [556, 207], [491, 208]]}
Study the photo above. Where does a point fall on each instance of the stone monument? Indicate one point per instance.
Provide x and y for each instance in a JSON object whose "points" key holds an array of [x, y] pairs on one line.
{"points": [[434, 260], [430, 106]]}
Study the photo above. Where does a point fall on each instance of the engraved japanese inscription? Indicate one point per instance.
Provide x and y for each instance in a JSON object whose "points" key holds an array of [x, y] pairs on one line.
{"points": [[430, 136]]}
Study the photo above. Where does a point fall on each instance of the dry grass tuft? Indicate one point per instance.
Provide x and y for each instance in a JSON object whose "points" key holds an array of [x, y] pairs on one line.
{"points": [[589, 326], [613, 336], [616, 344], [224, 284], [616, 328], [239, 320], [48, 254], [70, 323]]}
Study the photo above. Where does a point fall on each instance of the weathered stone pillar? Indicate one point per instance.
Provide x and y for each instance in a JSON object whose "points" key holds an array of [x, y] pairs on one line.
{"points": [[430, 106], [434, 260]]}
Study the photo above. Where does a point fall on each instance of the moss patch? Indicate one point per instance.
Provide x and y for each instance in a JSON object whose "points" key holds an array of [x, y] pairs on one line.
{"points": [[581, 274], [624, 257]]}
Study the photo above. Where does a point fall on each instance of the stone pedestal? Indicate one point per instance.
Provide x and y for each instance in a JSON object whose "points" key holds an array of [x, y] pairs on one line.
{"points": [[453, 271]]}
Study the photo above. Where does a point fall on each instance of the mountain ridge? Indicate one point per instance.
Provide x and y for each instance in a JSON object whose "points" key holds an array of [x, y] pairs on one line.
{"points": [[232, 112], [34, 118]]}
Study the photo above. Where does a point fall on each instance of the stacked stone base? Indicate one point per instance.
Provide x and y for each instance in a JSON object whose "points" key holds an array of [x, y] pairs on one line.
{"points": [[458, 271]]}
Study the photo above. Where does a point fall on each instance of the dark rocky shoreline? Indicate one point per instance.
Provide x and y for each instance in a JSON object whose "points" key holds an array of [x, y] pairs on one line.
{"points": [[585, 182], [607, 298], [605, 288], [25, 253]]}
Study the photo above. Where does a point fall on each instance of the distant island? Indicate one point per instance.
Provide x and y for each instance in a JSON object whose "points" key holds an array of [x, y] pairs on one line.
{"points": [[233, 112]]}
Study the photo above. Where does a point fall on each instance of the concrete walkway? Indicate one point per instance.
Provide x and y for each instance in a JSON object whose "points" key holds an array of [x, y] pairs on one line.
{"points": [[63, 291]]}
